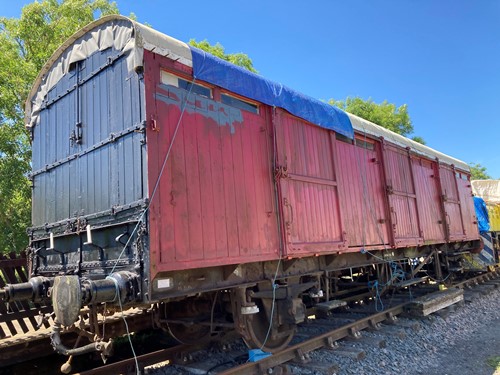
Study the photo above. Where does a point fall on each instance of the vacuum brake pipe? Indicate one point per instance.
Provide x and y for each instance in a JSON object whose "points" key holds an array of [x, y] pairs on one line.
{"points": [[36, 289], [118, 285]]}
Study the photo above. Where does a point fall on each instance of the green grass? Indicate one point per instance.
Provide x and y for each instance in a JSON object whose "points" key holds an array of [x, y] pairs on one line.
{"points": [[494, 362]]}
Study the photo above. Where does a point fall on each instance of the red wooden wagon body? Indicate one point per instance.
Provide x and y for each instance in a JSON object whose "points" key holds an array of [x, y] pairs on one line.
{"points": [[243, 179]]}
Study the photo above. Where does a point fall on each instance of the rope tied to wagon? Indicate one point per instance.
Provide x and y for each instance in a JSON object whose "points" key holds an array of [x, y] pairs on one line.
{"points": [[143, 214]]}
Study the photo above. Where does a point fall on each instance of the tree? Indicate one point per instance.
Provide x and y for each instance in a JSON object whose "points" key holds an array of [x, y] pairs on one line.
{"points": [[478, 172], [384, 114], [26, 43], [218, 50]]}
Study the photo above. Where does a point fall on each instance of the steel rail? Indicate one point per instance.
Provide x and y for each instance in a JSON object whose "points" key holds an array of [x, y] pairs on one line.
{"points": [[294, 352], [326, 340]]}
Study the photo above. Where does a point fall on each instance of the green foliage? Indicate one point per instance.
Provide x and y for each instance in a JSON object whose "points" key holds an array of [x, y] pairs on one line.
{"points": [[218, 50], [494, 362], [478, 172], [418, 139], [26, 43], [384, 114]]}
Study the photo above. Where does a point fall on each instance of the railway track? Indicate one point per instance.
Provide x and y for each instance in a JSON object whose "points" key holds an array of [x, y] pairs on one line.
{"points": [[346, 323], [331, 332]]}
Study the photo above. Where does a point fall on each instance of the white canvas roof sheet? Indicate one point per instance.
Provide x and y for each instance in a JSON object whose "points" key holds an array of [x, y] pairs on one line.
{"points": [[369, 128], [489, 190]]}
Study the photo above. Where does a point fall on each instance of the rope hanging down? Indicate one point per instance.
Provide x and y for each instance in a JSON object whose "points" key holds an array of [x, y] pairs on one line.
{"points": [[141, 217]]}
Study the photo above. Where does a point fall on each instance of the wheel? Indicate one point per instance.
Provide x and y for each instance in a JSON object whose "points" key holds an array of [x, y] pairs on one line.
{"points": [[260, 336]]}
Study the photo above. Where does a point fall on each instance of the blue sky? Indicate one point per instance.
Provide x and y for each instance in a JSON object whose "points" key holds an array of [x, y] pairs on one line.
{"points": [[441, 58]]}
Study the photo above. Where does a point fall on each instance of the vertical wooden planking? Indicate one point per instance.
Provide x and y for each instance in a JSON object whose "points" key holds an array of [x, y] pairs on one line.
{"points": [[115, 118], [204, 187], [255, 201], [451, 203], [91, 125], [217, 182], [360, 180], [229, 189], [309, 194], [402, 198], [126, 155], [159, 239], [91, 176], [342, 154], [184, 173], [428, 200], [242, 219], [221, 194], [257, 137], [467, 207], [138, 144]]}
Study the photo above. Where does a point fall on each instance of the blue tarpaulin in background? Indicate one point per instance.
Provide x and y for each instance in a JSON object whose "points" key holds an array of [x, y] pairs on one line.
{"points": [[211, 69], [483, 221]]}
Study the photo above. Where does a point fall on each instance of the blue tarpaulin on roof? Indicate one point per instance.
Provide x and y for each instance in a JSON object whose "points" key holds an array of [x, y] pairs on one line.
{"points": [[211, 69], [483, 221]]}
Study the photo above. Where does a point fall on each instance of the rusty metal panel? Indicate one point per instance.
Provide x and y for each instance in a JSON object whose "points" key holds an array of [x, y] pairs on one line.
{"points": [[430, 208], [360, 172], [402, 197], [308, 187], [451, 203], [215, 200]]}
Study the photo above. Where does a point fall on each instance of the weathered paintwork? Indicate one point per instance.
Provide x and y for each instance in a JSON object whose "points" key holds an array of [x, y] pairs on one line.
{"points": [[364, 202], [308, 187], [237, 185], [402, 198], [88, 156], [215, 202], [428, 194]]}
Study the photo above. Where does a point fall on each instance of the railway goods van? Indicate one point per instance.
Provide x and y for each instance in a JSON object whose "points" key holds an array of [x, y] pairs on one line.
{"points": [[167, 179]]}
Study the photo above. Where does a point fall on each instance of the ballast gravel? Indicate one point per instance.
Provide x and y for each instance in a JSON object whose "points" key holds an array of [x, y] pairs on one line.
{"points": [[458, 343]]}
